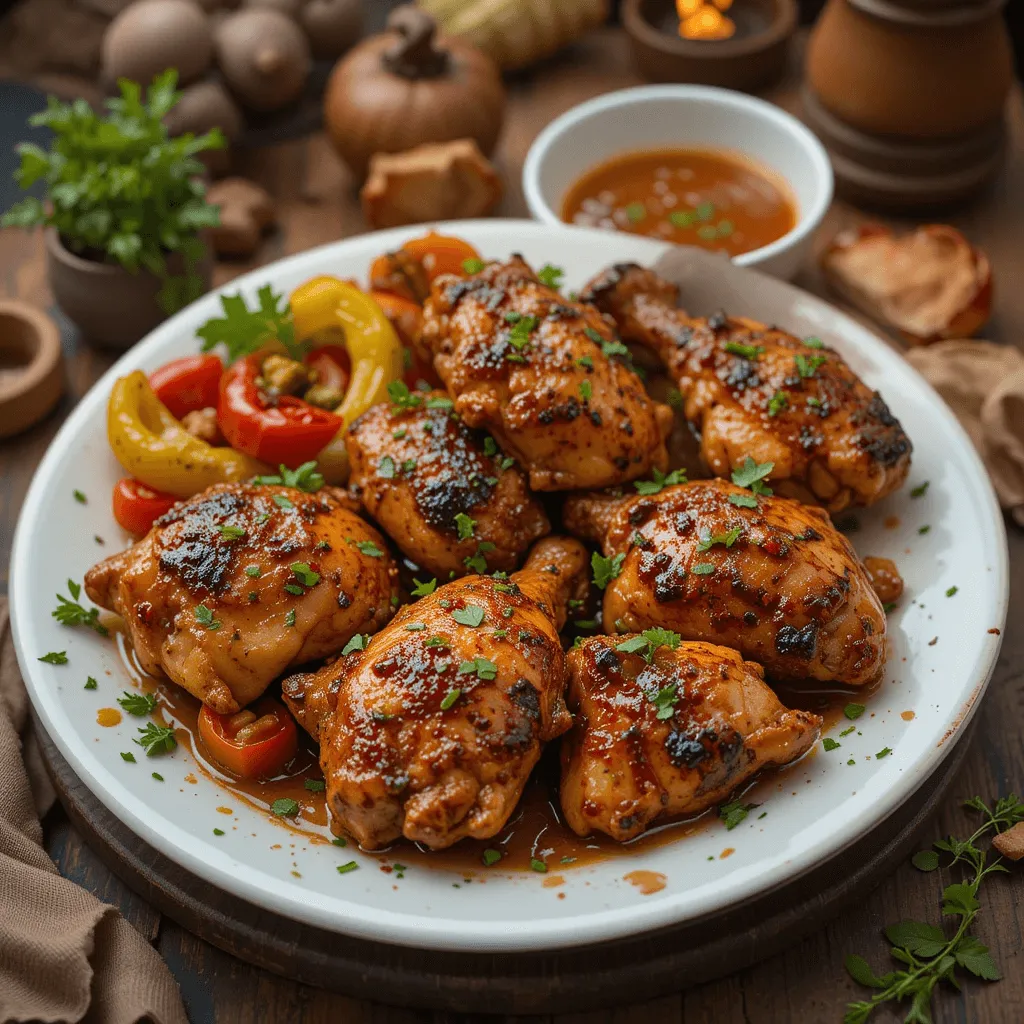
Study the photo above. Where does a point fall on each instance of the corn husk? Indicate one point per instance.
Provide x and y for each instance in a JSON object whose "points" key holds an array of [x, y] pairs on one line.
{"points": [[515, 33]]}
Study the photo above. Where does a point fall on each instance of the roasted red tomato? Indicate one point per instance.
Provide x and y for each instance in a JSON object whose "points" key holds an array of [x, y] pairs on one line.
{"points": [[137, 507], [333, 367], [277, 430], [188, 384], [255, 743]]}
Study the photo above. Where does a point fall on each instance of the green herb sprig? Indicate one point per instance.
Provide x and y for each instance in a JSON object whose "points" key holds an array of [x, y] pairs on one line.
{"points": [[244, 331]]}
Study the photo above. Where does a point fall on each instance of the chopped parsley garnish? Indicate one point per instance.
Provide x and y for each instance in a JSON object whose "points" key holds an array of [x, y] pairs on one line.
{"points": [[304, 574], [90, 683], [450, 698], [952, 591], [613, 348], [437, 641], [606, 569], [551, 276], [753, 475], [205, 617], [367, 547], [586, 390], [659, 481], [244, 331], [847, 731], [888, 606], [218, 831], [807, 366], [71, 613], [922, 530], [304, 478], [157, 776], [746, 351], [507, 463], [285, 807], [665, 701], [743, 500], [586, 362], [477, 562], [636, 212], [156, 739], [294, 588], [440, 402], [813, 342], [830, 744], [814, 403], [703, 569], [357, 643], [415, 627], [401, 397], [315, 785], [464, 526], [483, 667], [138, 704], [80, 497], [386, 467], [423, 589], [595, 336], [779, 401], [339, 841], [472, 615], [920, 490], [884, 752], [536, 864], [472, 265], [282, 501], [253, 571], [399, 434], [522, 328], [127, 755], [734, 813], [289, 617], [709, 540], [230, 532], [854, 711], [344, 869], [647, 642], [409, 465], [490, 857]]}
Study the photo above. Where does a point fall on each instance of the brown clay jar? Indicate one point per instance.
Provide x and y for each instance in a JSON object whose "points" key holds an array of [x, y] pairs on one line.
{"points": [[110, 306], [921, 78]]}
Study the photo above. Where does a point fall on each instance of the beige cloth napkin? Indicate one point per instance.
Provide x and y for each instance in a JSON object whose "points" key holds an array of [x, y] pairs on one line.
{"points": [[64, 955], [983, 384]]}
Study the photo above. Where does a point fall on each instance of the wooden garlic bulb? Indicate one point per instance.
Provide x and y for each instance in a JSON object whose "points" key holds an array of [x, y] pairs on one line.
{"points": [[406, 87]]}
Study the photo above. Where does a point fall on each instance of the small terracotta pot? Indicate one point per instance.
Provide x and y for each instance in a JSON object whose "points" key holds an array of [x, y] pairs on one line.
{"points": [[110, 306], [31, 366]]}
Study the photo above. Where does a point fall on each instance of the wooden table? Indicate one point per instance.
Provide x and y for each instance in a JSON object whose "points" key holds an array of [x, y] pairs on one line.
{"points": [[805, 983]]}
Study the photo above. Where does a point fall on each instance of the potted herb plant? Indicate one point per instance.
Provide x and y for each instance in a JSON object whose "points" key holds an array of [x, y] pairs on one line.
{"points": [[125, 208]]}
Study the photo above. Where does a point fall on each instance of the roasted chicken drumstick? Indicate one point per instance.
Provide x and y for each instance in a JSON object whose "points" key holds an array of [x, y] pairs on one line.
{"points": [[237, 584], [751, 391], [444, 493], [666, 732], [542, 374], [775, 581], [432, 730]]}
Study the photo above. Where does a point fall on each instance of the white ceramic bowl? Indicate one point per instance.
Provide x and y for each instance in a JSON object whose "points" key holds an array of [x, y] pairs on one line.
{"points": [[701, 117]]}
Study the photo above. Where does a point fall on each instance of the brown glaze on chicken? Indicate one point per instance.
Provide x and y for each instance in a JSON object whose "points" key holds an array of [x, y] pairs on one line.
{"points": [[421, 472], [534, 369], [433, 729], [777, 582], [669, 737], [211, 596], [754, 391]]}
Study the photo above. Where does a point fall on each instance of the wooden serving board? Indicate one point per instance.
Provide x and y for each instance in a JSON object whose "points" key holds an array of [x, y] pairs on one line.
{"points": [[554, 981]]}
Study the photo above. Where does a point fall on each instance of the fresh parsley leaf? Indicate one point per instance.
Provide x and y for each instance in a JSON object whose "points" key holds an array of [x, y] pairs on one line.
{"points": [[230, 532], [659, 481], [282, 501], [606, 569], [536, 864], [244, 331], [367, 547], [472, 615], [285, 807], [813, 342], [551, 276], [356, 643], [745, 351], [587, 362], [920, 490], [450, 698], [884, 752], [807, 366], [90, 683], [665, 701], [586, 390], [464, 526], [80, 497], [646, 643], [156, 739], [753, 475], [304, 574], [304, 478], [344, 869], [779, 402], [703, 569], [472, 265], [482, 667], [289, 616], [854, 711], [952, 591], [138, 704], [743, 500], [128, 756], [490, 857], [70, 613], [401, 397], [386, 468], [708, 541], [423, 589], [205, 617], [733, 814], [477, 562], [830, 744], [55, 658]]}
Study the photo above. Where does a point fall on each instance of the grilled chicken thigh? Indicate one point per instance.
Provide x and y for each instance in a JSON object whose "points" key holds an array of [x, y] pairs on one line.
{"points": [[237, 584], [777, 581], [540, 373], [444, 493], [663, 733], [432, 730], [754, 391]]}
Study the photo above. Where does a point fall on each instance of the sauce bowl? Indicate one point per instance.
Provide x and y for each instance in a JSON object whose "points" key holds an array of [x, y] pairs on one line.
{"points": [[694, 117]]}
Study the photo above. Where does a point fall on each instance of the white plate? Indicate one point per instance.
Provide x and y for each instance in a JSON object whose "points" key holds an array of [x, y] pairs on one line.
{"points": [[816, 809]]}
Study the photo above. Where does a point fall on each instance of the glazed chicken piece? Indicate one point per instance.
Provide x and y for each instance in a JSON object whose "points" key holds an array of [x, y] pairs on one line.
{"points": [[444, 493], [751, 391], [237, 584], [662, 733], [541, 374], [432, 730], [777, 581]]}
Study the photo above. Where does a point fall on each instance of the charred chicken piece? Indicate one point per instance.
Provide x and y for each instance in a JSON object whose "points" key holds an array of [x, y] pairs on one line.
{"points": [[432, 730], [444, 493], [545, 377], [663, 733], [237, 584], [777, 581], [752, 391]]}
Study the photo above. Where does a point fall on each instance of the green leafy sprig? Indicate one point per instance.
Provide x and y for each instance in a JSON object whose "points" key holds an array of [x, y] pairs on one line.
{"points": [[119, 187], [930, 956]]}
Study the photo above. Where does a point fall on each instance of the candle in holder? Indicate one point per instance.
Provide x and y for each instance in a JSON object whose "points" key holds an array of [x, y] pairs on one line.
{"points": [[699, 19]]}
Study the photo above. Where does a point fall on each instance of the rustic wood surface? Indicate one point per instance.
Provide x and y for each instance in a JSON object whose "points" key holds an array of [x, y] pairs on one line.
{"points": [[805, 982]]}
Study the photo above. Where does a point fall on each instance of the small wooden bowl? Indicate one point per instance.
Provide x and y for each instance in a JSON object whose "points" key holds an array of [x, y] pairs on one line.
{"points": [[31, 366], [750, 61]]}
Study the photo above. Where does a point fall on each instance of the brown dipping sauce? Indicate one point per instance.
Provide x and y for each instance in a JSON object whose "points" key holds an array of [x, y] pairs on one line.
{"points": [[713, 200], [535, 832]]}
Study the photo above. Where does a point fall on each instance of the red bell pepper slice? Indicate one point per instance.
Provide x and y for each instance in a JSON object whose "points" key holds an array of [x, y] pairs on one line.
{"points": [[188, 384]]}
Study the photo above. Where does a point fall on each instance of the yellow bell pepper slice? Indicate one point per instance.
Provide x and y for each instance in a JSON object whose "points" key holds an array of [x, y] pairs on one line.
{"points": [[325, 303], [155, 448]]}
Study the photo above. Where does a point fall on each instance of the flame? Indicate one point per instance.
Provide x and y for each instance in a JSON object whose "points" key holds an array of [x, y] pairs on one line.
{"points": [[699, 19]]}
